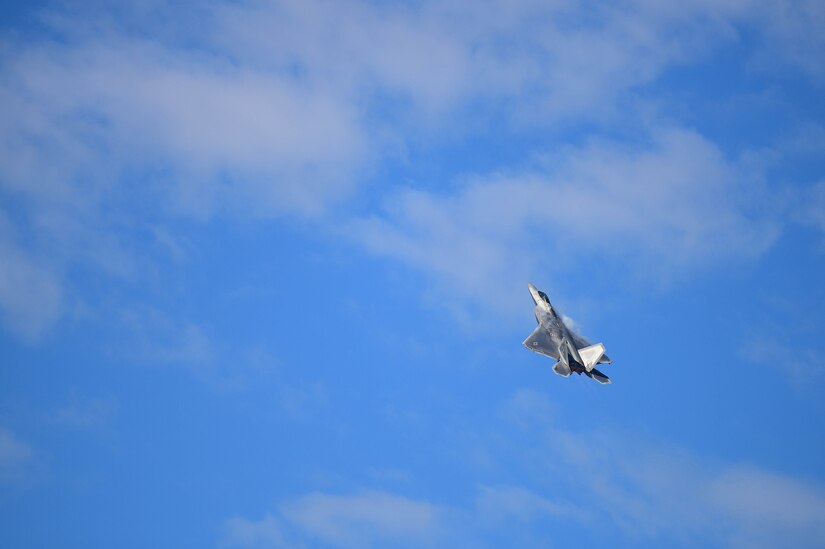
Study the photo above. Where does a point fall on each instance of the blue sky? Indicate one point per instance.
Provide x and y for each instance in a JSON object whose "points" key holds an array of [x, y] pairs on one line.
{"points": [[263, 273]]}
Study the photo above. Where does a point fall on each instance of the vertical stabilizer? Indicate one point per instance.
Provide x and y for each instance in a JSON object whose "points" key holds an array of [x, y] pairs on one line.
{"points": [[591, 355]]}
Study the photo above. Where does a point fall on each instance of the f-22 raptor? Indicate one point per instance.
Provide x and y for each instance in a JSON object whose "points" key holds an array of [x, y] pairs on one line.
{"points": [[553, 338]]}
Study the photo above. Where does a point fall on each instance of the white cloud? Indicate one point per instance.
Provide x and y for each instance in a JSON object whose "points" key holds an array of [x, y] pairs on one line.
{"points": [[30, 294], [380, 519], [364, 519], [300, 402], [654, 491], [161, 339], [813, 207], [512, 503], [360, 50], [669, 207], [241, 532], [87, 412], [771, 509], [661, 491], [214, 131], [803, 368], [790, 29], [269, 105], [123, 111], [527, 408], [158, 337], [15, 455], [784, 335], [645, 490]]}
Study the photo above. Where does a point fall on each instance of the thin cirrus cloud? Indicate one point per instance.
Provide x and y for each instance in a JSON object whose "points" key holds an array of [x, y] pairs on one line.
{"points": [[272, 103], [377, 518], [273, 109], [15, 457], [132, 104], [652, 490], [358, 520], [243, 532], [87, 413], [30, 295], [640, 489], [645, 492], [655, 492], [673, 204]]}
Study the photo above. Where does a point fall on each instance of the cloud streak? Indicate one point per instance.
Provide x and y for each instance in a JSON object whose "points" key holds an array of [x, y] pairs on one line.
{"points": [[671, 206], [359, 520], [30, 295], [267, 110], [15, 457], [655, 491], [638, 490]]}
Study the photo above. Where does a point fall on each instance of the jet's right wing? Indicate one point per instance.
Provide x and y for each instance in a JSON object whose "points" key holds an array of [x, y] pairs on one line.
{"points": [[539, 342], [582, 343]]}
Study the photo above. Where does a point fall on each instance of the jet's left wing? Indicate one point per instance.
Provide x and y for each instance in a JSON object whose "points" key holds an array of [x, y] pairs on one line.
{"points": [[539, 341]]}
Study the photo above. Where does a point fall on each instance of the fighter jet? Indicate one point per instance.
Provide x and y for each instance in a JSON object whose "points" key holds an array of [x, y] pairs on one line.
{"points": [[553, 338]]}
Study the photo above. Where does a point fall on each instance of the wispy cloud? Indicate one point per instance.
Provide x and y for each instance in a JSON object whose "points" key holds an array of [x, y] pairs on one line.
{"points": [[242, 532], [654, 490], [650, 493], [378, 518], [15, 457], [364, 519], [770, 509], [84, 412], [813, 208], [30, 293], [638, 489], [668, 207], [784, 335], [790, 32], [161, 339], [205, 128], [802, 362], [512, 503], [287, 108]]}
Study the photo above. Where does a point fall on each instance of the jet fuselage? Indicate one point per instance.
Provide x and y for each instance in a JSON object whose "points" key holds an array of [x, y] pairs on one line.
{"points": [[548, 319]]}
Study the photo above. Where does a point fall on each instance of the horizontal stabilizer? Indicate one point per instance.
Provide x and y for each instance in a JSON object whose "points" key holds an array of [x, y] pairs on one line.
{"points": [[598, 376], [591, 355], [561, 369]]}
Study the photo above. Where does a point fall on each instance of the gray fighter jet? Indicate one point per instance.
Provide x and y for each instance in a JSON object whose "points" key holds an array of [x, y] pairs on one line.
{"points": [[571, 351]]}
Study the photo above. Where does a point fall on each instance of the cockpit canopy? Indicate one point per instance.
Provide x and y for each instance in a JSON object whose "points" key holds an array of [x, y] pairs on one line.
{"points": [[544, 297]]}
